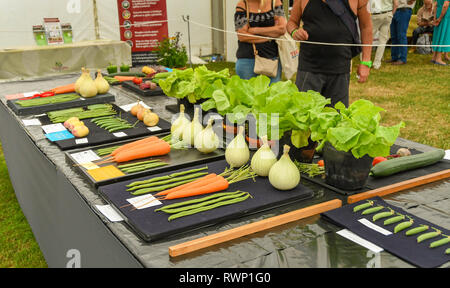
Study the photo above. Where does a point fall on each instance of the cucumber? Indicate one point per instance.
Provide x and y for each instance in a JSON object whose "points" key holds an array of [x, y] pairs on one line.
{"points": [[396, 165]]}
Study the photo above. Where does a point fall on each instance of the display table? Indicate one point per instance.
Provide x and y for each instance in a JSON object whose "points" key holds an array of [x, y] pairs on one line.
{"points": [[37, 61], [60, 208]]}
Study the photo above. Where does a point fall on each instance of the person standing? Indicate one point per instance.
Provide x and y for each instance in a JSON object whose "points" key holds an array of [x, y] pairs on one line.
{"points": [[326, 68], [265, 19], [399, 29], [441, 34], [382, 12], [425, 20]]}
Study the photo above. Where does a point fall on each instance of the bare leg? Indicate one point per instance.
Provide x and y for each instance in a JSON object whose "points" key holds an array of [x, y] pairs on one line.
{"points": [[439, 58]]}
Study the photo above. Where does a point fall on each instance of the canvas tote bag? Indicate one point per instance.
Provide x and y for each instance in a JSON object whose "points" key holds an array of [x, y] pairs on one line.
{"points": [[264, 66], [289, 52]]}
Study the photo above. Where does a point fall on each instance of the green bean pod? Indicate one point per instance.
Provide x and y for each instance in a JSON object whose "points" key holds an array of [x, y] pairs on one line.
{"points": [[394, 219], [441, 242], [198, 200], [427, 236], [166, 177], [382, 215], [447, 251], [362, 206], [209, 207], [161, 188], [372, 210], [402, 226], [201, 204], [416, 230]]}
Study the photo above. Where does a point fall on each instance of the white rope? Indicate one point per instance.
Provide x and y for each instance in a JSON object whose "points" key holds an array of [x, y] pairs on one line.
{"points": [[316, 43]]}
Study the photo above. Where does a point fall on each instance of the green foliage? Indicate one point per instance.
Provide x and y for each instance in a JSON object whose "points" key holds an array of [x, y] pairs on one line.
{"points": [[171, 53], [357, 129]]}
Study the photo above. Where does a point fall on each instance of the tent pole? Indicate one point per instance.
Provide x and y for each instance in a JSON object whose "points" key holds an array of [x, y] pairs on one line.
{"points": [[96, 26], [189, 38]]}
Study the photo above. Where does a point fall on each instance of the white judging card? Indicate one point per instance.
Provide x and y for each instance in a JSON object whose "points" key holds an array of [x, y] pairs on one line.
{"points": [[53, 128], [109, 213], [144, 201], [374, 227], [85, 156], [81, 141], [31, 122], [358, 240], [119, 134], [128, 107], [447, 155], [154, 128]]}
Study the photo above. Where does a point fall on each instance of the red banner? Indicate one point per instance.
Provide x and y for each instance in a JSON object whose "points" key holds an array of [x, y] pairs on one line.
{"points": [[142, 36]]}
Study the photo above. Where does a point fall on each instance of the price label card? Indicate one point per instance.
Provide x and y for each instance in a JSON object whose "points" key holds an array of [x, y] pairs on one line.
{"points": [[358, 240], [85, 157], [89, 166], [53, 128], [144, 201], [154, 128], [81, 141], [109, 213], [119, 134], [31, 122]]}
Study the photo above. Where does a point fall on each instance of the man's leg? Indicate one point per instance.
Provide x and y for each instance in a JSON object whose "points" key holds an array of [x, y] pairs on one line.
{"points": [[310, 81], [394, 35], [383, 37], [337, 88], [404, 18]]}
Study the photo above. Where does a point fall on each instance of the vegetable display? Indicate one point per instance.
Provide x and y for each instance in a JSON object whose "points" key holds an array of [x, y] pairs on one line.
{"points": [[112, 123], [61, 98], [356, 129], [141, 166], [87, 86], [207, 141], [263, 159], [284, 174], [69, 88], [237, 152], [207, 184], [396, 165], [76, 127], [191, 130], [101, 84], [367, 208], [311, 169], [148, 147], [91, 111], [203, 204]]}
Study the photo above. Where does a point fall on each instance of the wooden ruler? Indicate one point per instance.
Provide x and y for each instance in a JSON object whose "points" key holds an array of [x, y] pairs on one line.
{"points": [[400, 186], [221, 237]]}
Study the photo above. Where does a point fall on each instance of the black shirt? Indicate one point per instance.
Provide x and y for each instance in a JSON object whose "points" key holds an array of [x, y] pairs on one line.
{"points": [[265, 19], [323, 25]]}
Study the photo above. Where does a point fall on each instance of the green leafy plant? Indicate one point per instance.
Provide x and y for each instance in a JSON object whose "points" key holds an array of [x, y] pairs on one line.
{"points": [[171, 53], [356, 129]]}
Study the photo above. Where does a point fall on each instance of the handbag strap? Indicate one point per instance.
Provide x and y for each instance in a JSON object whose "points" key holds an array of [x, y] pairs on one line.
{"points": [[255, 52]]}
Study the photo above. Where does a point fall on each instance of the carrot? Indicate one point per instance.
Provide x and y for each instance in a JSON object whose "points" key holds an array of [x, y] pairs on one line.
{"points": [[197, 183], [64, 89], [124, 78], [156, 148], [219, 184], [135, 144]]}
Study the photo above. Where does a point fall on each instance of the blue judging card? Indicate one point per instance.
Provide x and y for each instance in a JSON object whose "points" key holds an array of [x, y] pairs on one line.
{"points": [[60, 135]]}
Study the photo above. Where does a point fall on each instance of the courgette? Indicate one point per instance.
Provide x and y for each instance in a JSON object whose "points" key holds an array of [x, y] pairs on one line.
{"points": [[396, 165]]}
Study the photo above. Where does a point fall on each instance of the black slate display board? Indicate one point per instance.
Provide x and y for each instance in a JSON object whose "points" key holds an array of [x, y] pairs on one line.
{"points": [[152, 225], [374, 183], [24, 111], [405, 247], [98, 136], [176, 159], [147, 92]]}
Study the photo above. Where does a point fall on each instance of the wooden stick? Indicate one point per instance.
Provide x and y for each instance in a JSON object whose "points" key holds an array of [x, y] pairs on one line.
{"points": [[400, 186], [221, 237]]}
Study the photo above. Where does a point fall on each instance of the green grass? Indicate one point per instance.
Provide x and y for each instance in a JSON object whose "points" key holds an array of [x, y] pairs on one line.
{"points": [[18, 248], [417, 93]]}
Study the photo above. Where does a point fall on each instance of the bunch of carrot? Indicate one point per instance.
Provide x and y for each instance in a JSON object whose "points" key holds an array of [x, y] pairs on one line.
{"points": [[147, 147], [207, 184]]}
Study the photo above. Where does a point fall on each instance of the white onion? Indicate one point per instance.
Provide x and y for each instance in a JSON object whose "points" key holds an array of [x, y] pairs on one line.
{"points": [[263, 159], [207, 141], [237, 152], [192, 129], [284, 175], [181, 121]]}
